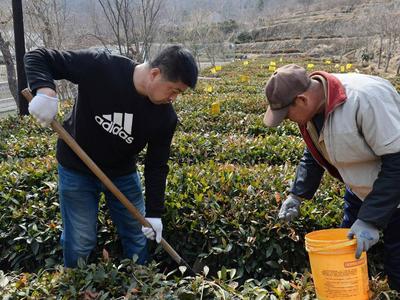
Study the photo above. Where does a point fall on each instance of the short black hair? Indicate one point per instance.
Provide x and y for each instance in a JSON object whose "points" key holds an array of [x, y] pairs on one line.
{"points": [[177, 64]]}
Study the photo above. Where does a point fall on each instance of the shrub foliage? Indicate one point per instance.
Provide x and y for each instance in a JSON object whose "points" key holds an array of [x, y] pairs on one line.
{"points": [[228, 175]]}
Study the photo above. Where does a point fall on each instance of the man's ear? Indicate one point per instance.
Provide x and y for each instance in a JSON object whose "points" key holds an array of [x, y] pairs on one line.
{"points": [[154, 72], [301, 100]]}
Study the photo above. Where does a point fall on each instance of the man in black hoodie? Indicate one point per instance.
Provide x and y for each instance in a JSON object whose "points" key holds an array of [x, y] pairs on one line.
{"points": [[121, 108]]}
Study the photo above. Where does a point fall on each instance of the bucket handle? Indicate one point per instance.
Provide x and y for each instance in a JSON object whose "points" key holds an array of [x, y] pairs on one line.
{"points": [[336, 246]]}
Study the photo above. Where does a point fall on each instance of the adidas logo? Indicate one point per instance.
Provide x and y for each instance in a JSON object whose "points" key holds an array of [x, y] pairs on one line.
{"points": [[118, 124]]}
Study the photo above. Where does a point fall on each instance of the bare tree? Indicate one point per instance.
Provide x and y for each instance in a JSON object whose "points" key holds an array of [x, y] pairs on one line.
{"points": [[386, 25], [393, 35], [149, 11], [47, 22], [134, 25], [398, 67], [5, 48], [49, 25], [204, 36]]}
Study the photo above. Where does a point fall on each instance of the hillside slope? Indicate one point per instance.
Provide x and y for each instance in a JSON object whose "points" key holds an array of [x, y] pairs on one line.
{"points": [[334, 32]]}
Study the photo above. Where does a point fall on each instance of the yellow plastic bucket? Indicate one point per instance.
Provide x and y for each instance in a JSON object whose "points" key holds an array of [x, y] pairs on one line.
{"points": [[336, 273]]}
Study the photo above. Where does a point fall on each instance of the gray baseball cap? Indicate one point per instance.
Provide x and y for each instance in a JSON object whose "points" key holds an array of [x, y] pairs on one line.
{"points": [[281, 90]]}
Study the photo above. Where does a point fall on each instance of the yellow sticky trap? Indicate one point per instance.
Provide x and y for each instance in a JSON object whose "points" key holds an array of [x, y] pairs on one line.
{"points": [[328, 62], [342, 68], [245, 63], [208, 89], [348, 66], [310, 66], [215, 108], [213, 71], [218, 68], [244, 78], [272, 63], [271, 68]]}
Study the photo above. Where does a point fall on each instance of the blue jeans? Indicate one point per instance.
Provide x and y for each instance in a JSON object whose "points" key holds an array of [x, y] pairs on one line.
{"points": [[79, 203], [391, 237]]}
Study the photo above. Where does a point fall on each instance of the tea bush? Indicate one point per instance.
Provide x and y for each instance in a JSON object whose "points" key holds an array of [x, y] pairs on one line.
{"points": [[193, 148], [126, 280]]}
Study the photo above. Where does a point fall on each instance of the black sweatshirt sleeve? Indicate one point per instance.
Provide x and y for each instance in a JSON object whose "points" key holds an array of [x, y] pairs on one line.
{"points": [[156, 170], [308, 176], [384, 198], [43, 66]]}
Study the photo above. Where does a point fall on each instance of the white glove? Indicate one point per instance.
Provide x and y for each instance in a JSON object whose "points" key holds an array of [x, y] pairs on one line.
{"points": [[44, 108], [156, 231], [290, 208]]}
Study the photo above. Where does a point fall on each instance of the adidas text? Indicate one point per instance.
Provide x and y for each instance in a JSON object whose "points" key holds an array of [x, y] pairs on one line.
{"points": [[113, 128]]}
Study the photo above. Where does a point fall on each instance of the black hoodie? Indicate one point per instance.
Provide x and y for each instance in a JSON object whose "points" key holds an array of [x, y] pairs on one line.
{"points": [[109, 120]]}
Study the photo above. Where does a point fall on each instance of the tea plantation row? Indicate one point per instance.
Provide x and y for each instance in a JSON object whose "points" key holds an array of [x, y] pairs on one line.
{"points": [[228, 175]]}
